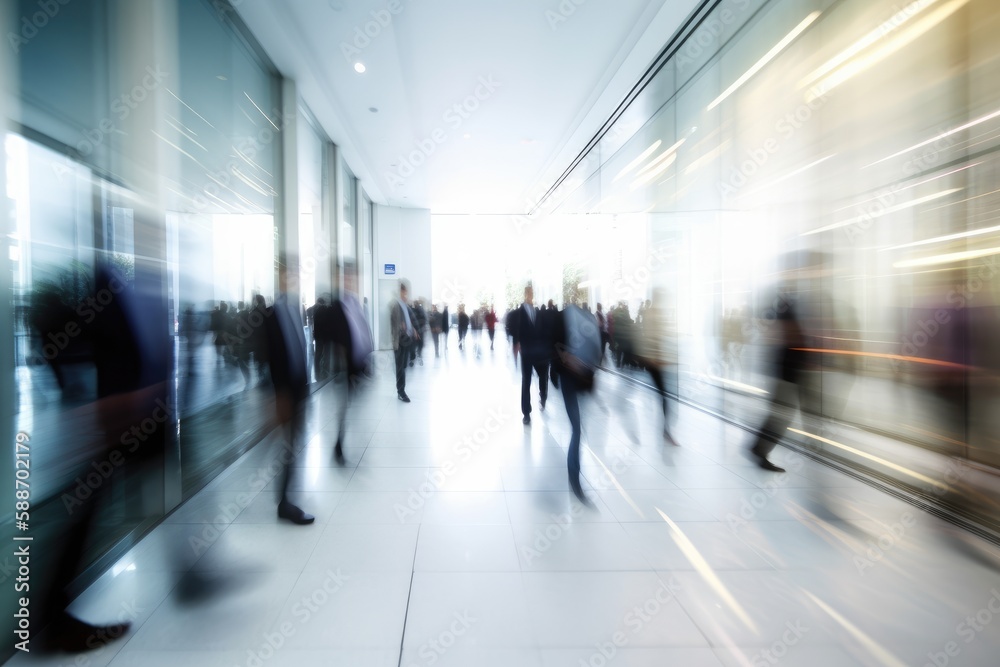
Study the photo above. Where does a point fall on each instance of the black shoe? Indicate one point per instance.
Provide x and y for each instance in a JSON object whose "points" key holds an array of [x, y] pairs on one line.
{"points": [[767, 465], [403, 397], [338, 455], [526, 420], [74, 636], [543, 405], [286, 510]]}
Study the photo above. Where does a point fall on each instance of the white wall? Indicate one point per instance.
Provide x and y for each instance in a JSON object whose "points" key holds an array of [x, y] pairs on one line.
{"points": [[403, 238]]}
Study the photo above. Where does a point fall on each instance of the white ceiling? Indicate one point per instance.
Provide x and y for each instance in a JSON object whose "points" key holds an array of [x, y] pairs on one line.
{"points": [[555, 76]]}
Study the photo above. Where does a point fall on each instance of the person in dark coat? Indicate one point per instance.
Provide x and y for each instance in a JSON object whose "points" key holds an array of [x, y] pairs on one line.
{"points": [[445, 325], [533, 341], [353, 340], [133, 363], [286, 352], [788, 361]]}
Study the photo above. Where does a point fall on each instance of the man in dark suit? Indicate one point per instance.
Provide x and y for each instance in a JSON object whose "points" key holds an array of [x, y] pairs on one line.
{"points": [[445, 325], [286, 346], [788, 362], [532, 339], [351, 335], [404, 333]]}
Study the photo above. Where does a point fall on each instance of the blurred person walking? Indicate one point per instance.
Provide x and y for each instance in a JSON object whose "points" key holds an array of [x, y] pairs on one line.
{"points": [[286, 353], [445, 325], [655, 352], [132, 360], [787, 363], [577, 346], [463, 325], [353, 339], [435, 322], [404, 334], [534, 343], [491, 324]]}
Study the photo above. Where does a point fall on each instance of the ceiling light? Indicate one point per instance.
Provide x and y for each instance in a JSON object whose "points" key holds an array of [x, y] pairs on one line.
{"points": [[359, 67], [220, 77], [466, 136]]}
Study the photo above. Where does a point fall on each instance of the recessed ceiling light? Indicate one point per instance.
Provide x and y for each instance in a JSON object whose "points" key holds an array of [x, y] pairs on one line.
{"points": [[359, 67], [373, 109], [220, 77], [466, 136]]}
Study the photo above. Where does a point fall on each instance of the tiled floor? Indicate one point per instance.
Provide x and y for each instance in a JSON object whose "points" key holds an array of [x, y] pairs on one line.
{"points": [[451, 539]]}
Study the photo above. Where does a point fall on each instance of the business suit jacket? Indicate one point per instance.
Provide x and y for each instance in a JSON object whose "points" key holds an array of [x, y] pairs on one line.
{"points": [[341, 334], [398, 323], [289, 376], [534, 337]]}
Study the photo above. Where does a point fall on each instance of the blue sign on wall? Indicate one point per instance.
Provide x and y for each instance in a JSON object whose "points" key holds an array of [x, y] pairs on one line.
{"points": [[390, 269]]}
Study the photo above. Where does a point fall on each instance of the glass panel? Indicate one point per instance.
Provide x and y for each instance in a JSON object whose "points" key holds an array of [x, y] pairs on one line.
{"points": [[82, 343], [838, 156]]}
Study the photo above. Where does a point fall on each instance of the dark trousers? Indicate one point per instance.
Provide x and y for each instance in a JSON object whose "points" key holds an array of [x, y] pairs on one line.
{"points": [[293, 429], [72, 526], [402, 358], [492, 334], [569, 392], [784, 395], [348, 393], [541, 367], [604, 345], [656, 373], [437, 337]]}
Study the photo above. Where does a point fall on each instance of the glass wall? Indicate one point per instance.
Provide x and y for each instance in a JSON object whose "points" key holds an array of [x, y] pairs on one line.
{"points": [[839, 159], [142, 178], [224, 205]]}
